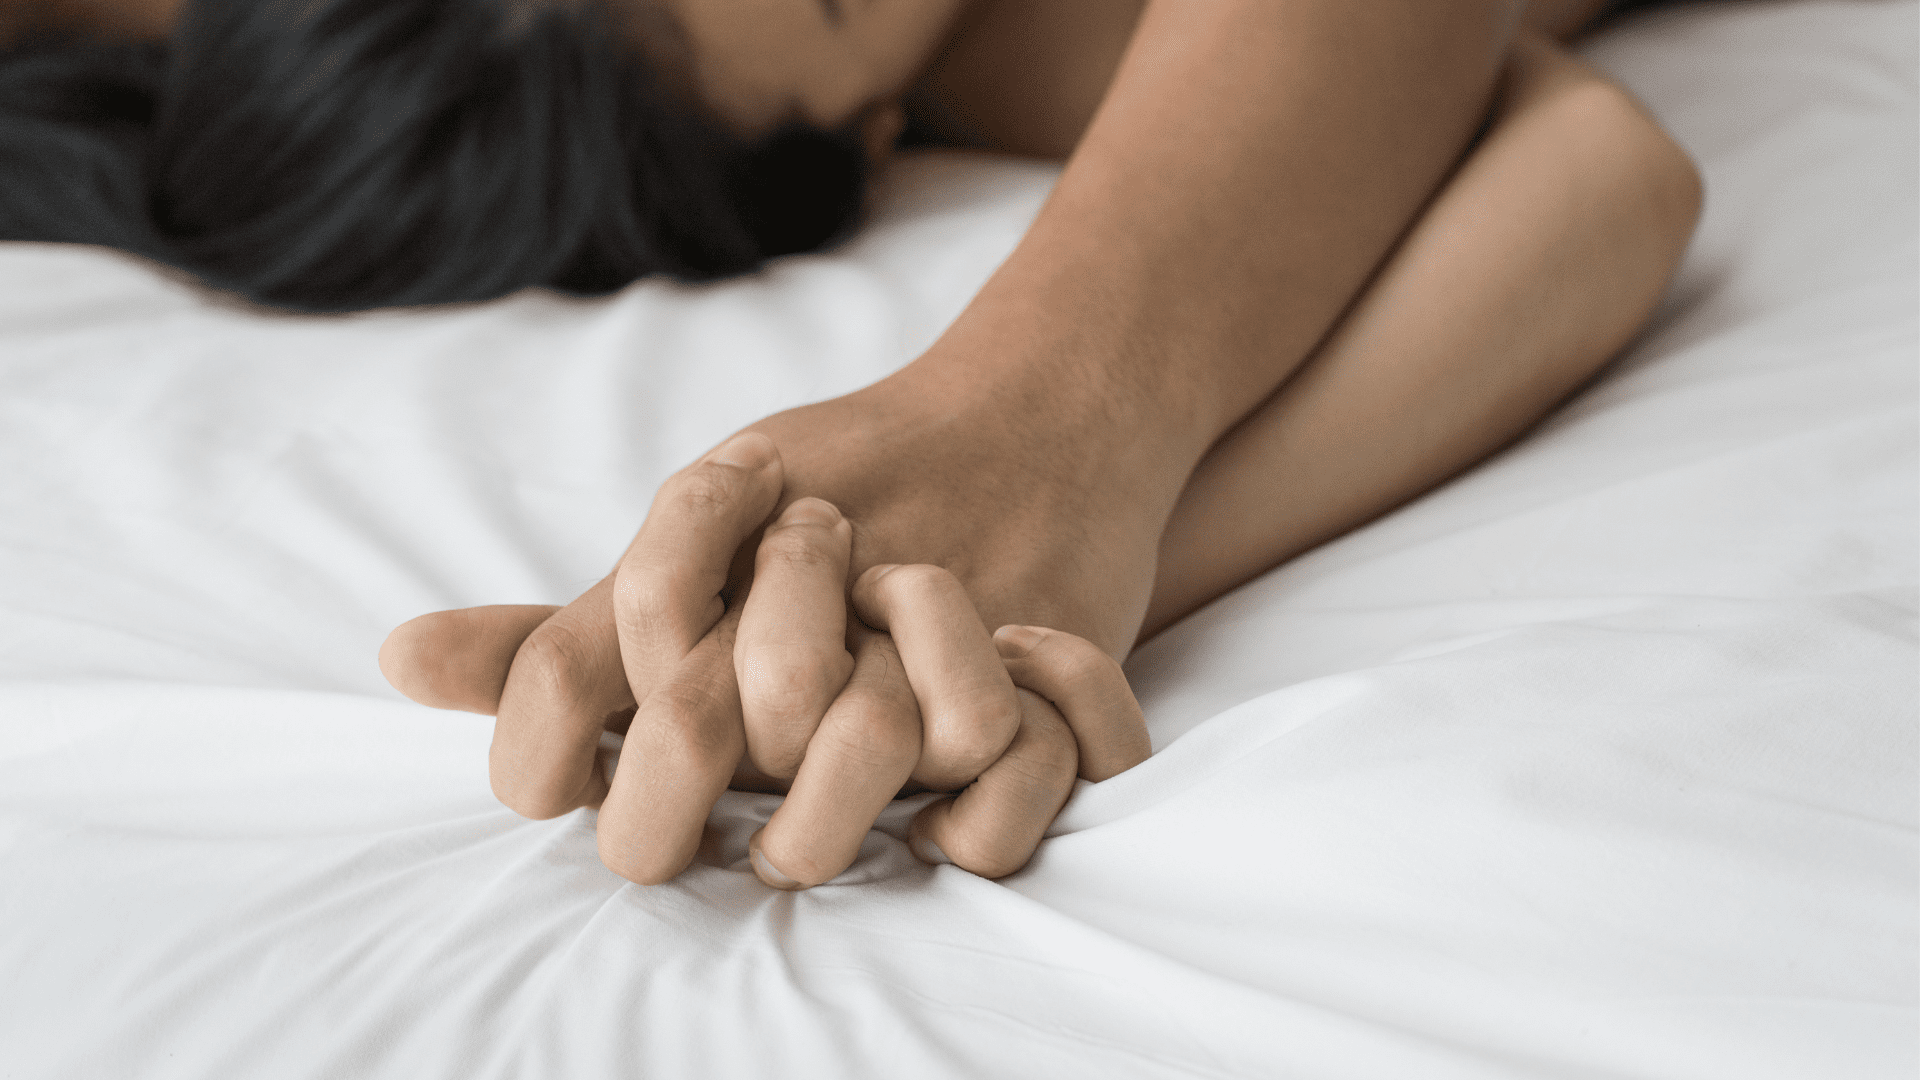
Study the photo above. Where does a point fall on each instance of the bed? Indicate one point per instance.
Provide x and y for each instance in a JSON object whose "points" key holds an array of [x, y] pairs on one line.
{"points": [[1599, 762]]}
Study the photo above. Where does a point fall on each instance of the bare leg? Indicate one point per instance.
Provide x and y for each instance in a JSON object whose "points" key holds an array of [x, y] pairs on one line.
{"points": [[1534, 266]]}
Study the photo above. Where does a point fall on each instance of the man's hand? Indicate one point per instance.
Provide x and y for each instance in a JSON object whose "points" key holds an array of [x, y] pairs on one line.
{"points": [[965, 508]]}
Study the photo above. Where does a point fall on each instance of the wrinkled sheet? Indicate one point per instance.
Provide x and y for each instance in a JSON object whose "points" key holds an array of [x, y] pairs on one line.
{"points": [[1598, 762]]}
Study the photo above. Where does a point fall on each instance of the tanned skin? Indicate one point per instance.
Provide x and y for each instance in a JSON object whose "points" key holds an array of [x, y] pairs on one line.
{"points": [[1279, 289], [1267, 302]]}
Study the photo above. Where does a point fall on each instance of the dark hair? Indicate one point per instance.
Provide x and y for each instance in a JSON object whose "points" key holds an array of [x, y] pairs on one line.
{"points": [[334, 155]]}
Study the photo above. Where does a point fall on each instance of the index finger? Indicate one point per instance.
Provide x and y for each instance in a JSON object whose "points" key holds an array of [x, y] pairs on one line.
{"points": [[666, 593], [606, 651]]}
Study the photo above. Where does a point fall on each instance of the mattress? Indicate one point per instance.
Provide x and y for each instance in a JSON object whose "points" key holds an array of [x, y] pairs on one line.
{"points": [[1599, 762]]}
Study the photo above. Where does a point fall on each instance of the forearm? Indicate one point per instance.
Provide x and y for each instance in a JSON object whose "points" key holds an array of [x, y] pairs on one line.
{"points": [[1537, 263], [1251, 165]]}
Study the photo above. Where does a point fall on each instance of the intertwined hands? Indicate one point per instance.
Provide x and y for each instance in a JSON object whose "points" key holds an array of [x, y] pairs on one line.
{"points": [[723, 649]]}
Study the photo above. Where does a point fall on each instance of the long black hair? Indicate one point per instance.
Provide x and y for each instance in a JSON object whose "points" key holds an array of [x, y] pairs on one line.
{"points": [[333, 155]]}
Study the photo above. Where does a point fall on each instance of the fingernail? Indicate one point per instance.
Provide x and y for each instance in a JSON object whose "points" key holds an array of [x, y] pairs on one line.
{"points": [[811, 511], [929, 852], [765, 870], [1017, 641], [748, 450]]}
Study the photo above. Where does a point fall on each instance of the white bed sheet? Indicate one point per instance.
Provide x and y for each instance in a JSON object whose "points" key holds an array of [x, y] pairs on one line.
{"points": [[1599, 762]]}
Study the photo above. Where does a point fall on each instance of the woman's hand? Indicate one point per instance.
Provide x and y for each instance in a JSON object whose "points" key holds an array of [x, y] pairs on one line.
{"points": [[969, 502], [558, 678], [855, 761]]}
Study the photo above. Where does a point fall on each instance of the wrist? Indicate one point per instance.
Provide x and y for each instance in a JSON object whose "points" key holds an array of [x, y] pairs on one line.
{"points": [[1082, 398]]}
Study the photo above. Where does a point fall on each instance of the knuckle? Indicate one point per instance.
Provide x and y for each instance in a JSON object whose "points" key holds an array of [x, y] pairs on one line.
{"points": [[703, 489], [653, 604], [787, 669], [636, 584], [556, 663], [782, 701], [794, 692], [679, 732], [642, 587]]}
